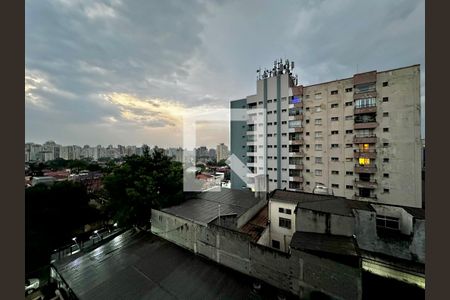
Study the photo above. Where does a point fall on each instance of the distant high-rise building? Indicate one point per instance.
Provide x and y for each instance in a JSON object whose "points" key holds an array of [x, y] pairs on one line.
{"points": [[357, 137], [222, 152]]}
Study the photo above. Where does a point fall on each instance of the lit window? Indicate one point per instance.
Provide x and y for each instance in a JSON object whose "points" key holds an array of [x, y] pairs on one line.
{"points": [[364, 161]]}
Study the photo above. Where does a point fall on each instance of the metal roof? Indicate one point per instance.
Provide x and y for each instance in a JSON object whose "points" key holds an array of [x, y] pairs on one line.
{"points": [[204, 207], [338, 206], [327, 243], [143, 266]]}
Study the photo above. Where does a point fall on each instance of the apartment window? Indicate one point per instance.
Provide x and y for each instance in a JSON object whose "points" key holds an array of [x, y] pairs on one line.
{"points": [[270, 169], [285, 223], [348, 173], [284, 181], [307, 183], [318, 147], [334, 145], [274, 123], [335, 92], [318, 134], [385, 160], [386, 175], [307, 133], [334, 118], [386, 191], [334, 132], [275, 244], [281, 210], [349, 103], [318, 96], [386, 222], [307, 170], [283, 122], [349, 187], [348, 145], [335, 186], [307, 158], [335, 159], [317, 108], [318, 160], [386, 129], [307, 109], [348, 90], [368, 102], [270, 180], [269, 112], [364, 161], [269, 101], [318, 172], [307, 121], [318, 121], [334, 105], [385, 114], [260, 102], [283, 169], [349, 118], [385, 99], [334, 172], [283, 157], [307, 146], [283, 110], [283, 146], [288, 211], [385, 144], [385, 83], [349, 131], [269, 124]]}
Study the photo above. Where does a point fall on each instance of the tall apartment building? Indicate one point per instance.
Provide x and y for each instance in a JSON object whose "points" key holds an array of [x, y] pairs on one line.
{"points": [[222, 152], [359, 136]]}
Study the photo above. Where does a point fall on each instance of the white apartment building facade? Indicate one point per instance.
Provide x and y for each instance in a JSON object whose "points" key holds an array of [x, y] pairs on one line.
{"points": [[222, 152], [359, 136]]}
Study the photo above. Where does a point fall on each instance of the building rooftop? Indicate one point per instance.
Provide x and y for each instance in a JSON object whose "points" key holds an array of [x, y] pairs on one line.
{"points": [[327, 243], [298, 197], [204, 207], [143, 266], [256, 226], [336, 205]]}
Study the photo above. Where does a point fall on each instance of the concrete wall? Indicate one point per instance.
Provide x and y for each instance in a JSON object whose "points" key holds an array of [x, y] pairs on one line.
{"points": [[410, 248], [313, 221], [299, 273]]}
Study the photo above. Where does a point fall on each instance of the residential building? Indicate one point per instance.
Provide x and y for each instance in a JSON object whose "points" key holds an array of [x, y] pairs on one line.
{"points": [[222, 152], [357, 137]]}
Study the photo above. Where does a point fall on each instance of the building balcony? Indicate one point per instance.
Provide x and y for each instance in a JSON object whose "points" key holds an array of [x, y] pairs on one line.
{"points": [[368, 199], [296, 142], [368, 94], [251, 164], [369, 169], [296, 117], [365, 110], [367, 125], [296, 129], [295, 190], [296, 179], [296, 154], [365, 139], [296, 167], [251, 154], [372, 184], [370, 153], [296, 105]]}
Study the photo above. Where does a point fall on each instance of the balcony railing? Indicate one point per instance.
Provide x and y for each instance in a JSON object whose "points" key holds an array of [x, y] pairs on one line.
{"points": [[368, 153], [365, 110], [372, 184], [296, 154], [372, 139], [295, 178], [366, 125], [296, 142], [365, 198], [370, 169], [293, 166]]}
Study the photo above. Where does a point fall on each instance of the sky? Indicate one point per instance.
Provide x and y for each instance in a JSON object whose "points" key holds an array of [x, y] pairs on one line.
{"points": [[128, 72]]}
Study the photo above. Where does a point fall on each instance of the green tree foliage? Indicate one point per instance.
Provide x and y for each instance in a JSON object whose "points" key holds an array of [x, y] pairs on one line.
{"points": [[221, 163], [141, 183], [52, 215]]}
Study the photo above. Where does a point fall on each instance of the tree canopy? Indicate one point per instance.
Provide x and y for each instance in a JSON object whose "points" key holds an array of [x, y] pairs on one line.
{"points": [[141, 183]]}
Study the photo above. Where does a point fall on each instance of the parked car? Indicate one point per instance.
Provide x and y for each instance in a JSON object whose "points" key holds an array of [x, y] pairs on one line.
{"points": [[31, 285]]}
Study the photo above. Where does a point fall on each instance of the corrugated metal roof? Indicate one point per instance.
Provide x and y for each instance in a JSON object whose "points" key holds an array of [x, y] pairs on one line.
{"points": [[256, 226], [144, 266], [204, 207]]}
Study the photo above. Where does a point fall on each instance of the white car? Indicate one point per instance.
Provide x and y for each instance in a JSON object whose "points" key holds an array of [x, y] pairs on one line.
{"points": [[31, 285]]}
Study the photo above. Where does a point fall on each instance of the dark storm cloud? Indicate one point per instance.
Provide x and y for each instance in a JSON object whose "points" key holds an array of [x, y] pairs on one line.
{"points": [[192, 53]]}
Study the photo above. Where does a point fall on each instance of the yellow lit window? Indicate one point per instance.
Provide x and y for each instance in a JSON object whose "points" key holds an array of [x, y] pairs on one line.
{"points": [[364, 161], [364, 147]]}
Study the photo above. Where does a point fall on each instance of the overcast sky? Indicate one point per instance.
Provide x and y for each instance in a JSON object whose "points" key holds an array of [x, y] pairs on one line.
{"points": [[125, 72]]}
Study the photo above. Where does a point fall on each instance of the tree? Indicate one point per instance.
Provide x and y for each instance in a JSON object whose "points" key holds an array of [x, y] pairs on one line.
{"points": [[222, 163], [141, 183]]}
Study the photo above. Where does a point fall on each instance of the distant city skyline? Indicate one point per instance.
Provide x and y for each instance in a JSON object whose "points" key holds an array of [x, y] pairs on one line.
{"points": [[128, 72]]}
